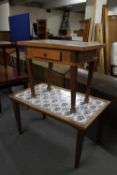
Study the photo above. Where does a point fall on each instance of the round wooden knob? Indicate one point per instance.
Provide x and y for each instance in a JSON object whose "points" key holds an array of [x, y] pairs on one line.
{"points": [[45, 55]]}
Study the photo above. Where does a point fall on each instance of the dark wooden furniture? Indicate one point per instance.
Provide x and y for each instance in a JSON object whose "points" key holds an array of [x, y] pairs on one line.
{"points": [[4, 35], [64, 32], [42, 28], [10, 76], [86, 31], [79, 32], [5, 45], [61, 37], [80, 127], [70, 53]]}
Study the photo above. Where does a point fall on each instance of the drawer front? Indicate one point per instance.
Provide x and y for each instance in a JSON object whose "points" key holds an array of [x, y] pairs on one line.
{"points": [[43, 53]]}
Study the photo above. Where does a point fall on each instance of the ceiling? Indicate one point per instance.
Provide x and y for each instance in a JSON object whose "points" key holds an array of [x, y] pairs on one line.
{"points": [[47, 3], [75, 5]]}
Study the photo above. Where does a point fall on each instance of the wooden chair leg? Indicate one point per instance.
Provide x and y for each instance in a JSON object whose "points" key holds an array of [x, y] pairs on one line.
{"points": [[79, 145], [17, 116]]}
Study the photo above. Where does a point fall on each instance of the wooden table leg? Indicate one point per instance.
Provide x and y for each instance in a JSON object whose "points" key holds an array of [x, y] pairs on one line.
{"points": [[73, 83], [17, 116], [92, 66], [0, 106], [4, 57], [101, 122], [43, 116], [49, 76], [29, 69], [17, 60], [79, 145]]}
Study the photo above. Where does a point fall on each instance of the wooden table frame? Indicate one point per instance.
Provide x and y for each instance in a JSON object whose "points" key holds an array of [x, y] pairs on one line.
{"points": [[4, 45], [10, 76], [70, 53], [80, 127]]}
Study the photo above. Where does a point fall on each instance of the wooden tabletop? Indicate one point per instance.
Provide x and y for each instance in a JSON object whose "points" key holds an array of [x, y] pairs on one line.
{"points": [[6, 44], [62, 44], [20, 98]]}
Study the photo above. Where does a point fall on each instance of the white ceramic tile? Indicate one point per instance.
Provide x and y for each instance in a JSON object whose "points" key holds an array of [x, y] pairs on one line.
{"points": [[58, 101]]}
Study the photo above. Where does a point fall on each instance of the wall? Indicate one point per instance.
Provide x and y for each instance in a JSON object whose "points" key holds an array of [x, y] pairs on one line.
{"points": [[112, 11], [94, 9], [54, 17], [99, 6], [75, 19], [4, 13]]}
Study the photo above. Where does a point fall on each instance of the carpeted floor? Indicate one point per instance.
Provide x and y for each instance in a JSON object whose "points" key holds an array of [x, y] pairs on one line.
{"points": [[47, 147]]}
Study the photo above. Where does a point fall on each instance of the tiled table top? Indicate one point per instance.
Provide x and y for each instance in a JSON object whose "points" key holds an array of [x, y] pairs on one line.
{"points": [[57, 102]]}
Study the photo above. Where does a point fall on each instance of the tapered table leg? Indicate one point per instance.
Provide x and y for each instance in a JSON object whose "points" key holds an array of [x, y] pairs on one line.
{"points": [[17, 60], [92, 66], [4, 57], [29, 69], [101, 122], [73, 83], [0, 106], [50, 76], [79, 145], [17, 116], [43, 116]]}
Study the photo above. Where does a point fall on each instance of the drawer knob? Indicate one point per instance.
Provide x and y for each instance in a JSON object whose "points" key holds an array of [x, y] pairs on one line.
{"points": [[45, 55]]}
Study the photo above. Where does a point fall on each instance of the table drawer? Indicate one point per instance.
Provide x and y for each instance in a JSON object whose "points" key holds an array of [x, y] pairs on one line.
{"points": [[43, 53]]}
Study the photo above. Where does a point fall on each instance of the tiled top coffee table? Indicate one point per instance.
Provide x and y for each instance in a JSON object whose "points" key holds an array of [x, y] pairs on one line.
{"points": [[56, 104]]}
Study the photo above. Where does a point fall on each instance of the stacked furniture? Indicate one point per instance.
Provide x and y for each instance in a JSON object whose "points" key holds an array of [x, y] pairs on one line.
{"points": [[42, 28]]}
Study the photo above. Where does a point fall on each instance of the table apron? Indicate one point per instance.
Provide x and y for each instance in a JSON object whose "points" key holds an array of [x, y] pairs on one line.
{"points": [[72, 58]]}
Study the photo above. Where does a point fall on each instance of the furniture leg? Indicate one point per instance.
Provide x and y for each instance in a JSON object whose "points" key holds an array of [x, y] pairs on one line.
{"points": [[43, 116], [17, 116], [4, 58], [101, 122], [79, 145], [50, 76], [0, 106], [10, 90], [29, 68], [25, 85], [73, 83], [17, 60], [92, 66]]}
